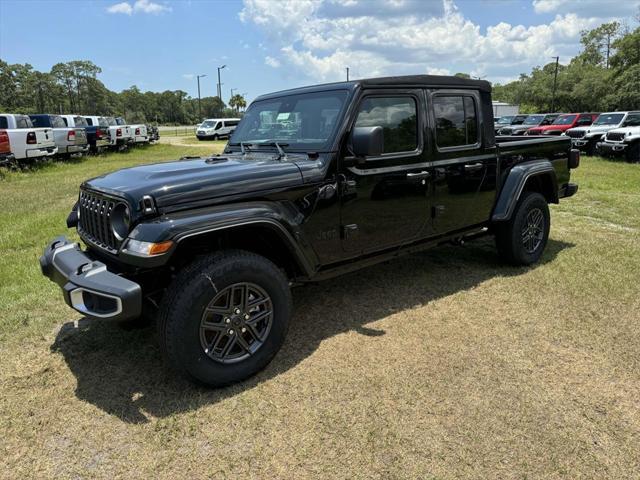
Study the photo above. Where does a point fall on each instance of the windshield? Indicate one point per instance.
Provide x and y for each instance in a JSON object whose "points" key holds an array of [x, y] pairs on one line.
{"points": [[57, 122], [111, 121], [533, 120], [208, 124], [564, 120], [518, 119], [609, 119], [120, 121], [80, 122], [504, 120], [633, 120], [305, 120]]}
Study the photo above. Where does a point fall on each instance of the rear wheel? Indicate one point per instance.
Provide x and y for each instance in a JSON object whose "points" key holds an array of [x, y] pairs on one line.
{"points": [[224, 317], [215, 137], [522, 240]]}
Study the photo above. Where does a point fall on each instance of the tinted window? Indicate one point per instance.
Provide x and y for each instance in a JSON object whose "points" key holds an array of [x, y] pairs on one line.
{"points": [[456, 121], [633, 120], [398, 118], [3, 122], [66, 122], [89, 121], [231, 123], [218, 126]]}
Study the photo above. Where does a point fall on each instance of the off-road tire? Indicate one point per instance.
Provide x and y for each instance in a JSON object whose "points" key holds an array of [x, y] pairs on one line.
{"points": [[189, 294], [633, 153], [510, 234]]}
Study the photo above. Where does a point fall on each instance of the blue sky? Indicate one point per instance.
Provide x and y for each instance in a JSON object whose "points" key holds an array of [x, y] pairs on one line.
{"points": [[269, 45]]}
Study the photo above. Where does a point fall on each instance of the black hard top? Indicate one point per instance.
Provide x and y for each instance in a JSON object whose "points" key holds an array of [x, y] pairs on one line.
{"points": [[399, 81]]}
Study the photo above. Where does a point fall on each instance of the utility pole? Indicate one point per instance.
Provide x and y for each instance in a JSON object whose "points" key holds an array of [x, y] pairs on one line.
{"points": [[555, 82], [199, 106], [347, 74], [219, 83]]}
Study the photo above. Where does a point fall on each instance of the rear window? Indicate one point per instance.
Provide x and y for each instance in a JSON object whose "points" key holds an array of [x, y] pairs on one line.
{"points": [[3, 122], [22, 121], [80, 122], [120, 121], [456, 121], [103, 122], [57, 122]]}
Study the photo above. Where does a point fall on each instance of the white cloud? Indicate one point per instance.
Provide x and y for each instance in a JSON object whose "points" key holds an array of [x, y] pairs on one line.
{"points": [[272, 62], [123, 7], [405, 37], [188, 76], [142, 6], [589, 8]]}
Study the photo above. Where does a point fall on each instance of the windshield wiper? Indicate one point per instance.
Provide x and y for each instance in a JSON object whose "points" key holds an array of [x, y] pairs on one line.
{"points": [[281, 153]]}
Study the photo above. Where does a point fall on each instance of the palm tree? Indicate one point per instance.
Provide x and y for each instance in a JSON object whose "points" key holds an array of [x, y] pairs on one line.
{"points": [[238, 102]]}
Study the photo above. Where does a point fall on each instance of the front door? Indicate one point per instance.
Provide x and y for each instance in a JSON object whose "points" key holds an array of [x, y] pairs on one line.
{"points": [[464, 171], [385, 202]]}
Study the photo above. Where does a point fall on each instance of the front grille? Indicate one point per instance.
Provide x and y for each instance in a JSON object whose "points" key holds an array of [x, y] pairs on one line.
{"points": [[615, 136], [575, 133], [94, 223]]}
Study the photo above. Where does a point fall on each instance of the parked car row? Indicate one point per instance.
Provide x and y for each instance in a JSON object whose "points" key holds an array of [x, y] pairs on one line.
{"points": [[27, 137], [610, 134]]}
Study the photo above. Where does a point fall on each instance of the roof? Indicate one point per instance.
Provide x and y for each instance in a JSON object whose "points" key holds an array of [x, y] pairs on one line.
{"points": [[398, 81]]}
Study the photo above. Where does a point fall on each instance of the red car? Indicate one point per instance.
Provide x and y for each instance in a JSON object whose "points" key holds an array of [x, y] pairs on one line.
{"points": [[564, 122], [5, 148]]}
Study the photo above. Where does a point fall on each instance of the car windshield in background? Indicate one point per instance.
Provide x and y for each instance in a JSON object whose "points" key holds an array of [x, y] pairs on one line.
{"points": [[533, 120], [564, 120], [609, 119], [208, 124], [518, 120], [306, 120], [80, 122], [504, 121], [632, 120], [120, 121]]}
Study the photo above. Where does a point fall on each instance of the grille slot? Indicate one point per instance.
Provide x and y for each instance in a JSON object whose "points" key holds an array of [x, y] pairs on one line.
{"points": [[615, 136], [575, 133], [95, 223]]}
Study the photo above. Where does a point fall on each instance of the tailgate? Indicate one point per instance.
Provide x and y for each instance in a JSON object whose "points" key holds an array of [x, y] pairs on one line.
{"points": [[81, 136], [44, 137]]}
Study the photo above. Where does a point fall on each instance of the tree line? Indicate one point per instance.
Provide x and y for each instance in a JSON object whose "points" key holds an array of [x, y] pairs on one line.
{"points": [[604, 76], [73, 87]]}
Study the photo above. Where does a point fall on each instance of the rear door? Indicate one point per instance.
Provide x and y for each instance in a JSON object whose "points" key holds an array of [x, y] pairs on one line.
{"points": [[385, 201], [464, 170]]}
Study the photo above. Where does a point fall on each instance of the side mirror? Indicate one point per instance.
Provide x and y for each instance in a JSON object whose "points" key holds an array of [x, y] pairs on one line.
{"points": [[367, 141]]}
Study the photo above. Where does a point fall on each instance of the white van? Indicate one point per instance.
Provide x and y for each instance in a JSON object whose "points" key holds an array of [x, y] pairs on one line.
{"points": [[216, 128]]}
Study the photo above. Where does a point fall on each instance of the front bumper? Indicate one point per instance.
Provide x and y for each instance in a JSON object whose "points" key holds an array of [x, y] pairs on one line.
{"points": [[87, 285], [610, 148], [568, 190]]}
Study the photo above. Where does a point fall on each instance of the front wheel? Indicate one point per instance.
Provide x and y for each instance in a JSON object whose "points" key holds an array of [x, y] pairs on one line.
{"points": [[224, 317], [522, 240]]}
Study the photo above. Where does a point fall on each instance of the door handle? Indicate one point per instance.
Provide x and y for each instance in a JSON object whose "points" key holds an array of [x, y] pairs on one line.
{"points": [[418, 175], [473, 166]]}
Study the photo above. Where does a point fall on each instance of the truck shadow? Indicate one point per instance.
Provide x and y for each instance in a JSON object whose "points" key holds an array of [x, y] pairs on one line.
{"points": [[122, 372]]}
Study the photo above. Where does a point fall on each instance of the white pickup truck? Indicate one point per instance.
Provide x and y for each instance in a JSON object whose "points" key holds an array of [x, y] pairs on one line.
{"points": [[120, 135], [138, 131], [27, 142], [69, 140]]}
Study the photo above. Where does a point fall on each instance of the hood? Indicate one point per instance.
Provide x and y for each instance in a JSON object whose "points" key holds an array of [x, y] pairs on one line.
{"points": [[199, 179], [553, 128]]}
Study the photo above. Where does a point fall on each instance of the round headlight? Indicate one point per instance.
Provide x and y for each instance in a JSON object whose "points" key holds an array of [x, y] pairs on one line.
{"points": [[120, 221]]}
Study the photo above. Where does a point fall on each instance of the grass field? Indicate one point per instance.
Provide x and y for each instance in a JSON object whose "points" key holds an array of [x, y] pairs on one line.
{"points": [[444, 364]]}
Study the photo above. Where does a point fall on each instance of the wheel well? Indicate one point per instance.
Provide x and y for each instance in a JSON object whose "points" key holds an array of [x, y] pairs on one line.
{"points": [[259, 239], [543, 184]]}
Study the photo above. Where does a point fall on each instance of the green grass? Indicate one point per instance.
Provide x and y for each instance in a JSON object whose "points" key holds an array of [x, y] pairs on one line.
{"points": [[444, 364]]}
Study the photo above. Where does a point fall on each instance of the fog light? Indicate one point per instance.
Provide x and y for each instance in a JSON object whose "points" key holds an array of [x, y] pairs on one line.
{"points": [[147, 249]]}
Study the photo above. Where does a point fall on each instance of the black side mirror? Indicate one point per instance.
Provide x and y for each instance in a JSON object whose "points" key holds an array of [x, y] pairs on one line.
{"points": [[367, 141]]}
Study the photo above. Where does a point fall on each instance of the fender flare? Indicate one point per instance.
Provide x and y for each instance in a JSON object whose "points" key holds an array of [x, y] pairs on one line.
{"points": [[514, 185]]}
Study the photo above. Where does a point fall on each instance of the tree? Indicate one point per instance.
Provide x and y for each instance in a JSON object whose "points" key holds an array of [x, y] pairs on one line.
{"points": [[238, 102], [598, 43]]}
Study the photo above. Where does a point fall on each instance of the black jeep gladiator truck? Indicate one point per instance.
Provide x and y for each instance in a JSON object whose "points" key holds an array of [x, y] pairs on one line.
{"points": [[314, 182]]}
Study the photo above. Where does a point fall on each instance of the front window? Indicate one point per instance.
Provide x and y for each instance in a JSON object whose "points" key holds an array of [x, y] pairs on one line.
{"points": [[518, 120], [632, 121], [609, 119], [207, 124], [504, 121], [305, 121], [564, 120], [398, 118], [533, 120]]}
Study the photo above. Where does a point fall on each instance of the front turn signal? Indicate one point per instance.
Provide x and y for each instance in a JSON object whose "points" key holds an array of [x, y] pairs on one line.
{"points": [[148, 249]]}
